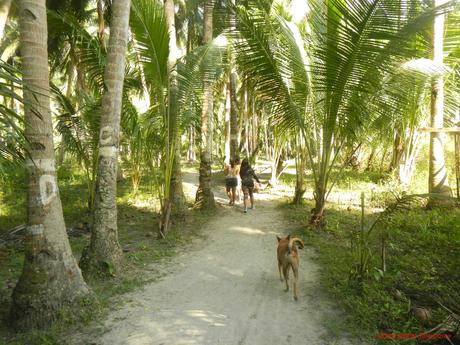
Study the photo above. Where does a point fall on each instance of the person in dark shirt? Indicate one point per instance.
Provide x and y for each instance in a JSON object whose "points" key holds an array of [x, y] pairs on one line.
{"points": [[248, 177]]}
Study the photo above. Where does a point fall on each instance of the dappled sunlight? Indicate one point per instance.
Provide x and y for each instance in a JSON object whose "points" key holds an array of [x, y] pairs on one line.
{"points": [[152, 204], [233, 271], [248, 231], [192, 324], [208, 316], [189, 189]]}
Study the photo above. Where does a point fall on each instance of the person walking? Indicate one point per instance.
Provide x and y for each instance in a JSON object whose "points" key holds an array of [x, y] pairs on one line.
{"points": [[232, 171], [248, 176]]}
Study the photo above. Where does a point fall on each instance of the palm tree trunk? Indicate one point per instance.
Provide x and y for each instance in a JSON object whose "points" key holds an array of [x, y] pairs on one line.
{"points": [[245, 139], [191, 156], [104, 253], [234, 130], [204, 195], [227, 122], [101, 23], [370, 159], [51, 279], [438, 182], [300, 170], [176, 198], [398, 149], [317, 218]]}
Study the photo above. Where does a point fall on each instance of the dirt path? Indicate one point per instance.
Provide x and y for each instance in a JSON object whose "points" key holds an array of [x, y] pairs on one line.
{"points": [[227, 292]]}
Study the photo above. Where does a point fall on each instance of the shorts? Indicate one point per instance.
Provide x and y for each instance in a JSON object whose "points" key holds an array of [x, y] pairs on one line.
{"points": [[248, 187], [231, 182]]}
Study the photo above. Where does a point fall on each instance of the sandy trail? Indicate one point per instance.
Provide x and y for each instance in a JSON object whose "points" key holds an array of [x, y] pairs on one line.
{"points": [[227, 292]]}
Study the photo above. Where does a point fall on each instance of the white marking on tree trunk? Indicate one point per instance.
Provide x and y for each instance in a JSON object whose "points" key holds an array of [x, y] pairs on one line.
{"points": [[107, 151], [36, 229], [106, 135], [46, 165], [48, 189]]}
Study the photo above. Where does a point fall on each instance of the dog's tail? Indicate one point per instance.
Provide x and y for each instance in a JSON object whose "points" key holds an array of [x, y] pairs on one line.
{"points": [[297, 240]]}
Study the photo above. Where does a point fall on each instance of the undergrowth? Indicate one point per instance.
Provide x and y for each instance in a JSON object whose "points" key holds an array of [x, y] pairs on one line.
{"points": [[137, 226], [422, 268]]}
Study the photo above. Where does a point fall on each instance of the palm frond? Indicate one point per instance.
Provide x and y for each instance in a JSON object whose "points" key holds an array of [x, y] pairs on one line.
{"points": [[13, 145]]}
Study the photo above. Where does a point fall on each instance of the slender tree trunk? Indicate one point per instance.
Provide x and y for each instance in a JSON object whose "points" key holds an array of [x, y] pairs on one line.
{"points": [[234, 130], [204, 195], [191, 156], [246, 121], [317, 218], [255, 133], [300, 170], [104, 253], [398, 149], [51, 279], [382, 160], [437, 180], [227, 122], [69, 90], [5, 6], [370, 160], [176, 197], [101, 23]]}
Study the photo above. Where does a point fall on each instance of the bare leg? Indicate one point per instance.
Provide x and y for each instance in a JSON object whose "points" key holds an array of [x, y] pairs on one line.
{"points": [[233, 194], [245, 200], [229, 194], [251, 195]]}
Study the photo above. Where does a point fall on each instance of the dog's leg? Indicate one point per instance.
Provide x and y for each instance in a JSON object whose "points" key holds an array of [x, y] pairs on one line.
{"points": [[279, 269], [295, 270], [286, 276]]}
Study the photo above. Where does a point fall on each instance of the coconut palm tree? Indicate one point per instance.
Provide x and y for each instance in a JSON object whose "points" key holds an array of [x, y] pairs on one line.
{"points": [[51, 279], [324, 76], [152, 43], [104, 252], [204, 194], [437, 179], [176, 200]]}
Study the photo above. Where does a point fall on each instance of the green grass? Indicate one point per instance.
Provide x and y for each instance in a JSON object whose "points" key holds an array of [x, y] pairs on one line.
{"points": [[422, 263], [137, 225]]}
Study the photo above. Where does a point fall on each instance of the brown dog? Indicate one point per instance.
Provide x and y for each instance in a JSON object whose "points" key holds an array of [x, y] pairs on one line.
{"points": [[288, 256]]}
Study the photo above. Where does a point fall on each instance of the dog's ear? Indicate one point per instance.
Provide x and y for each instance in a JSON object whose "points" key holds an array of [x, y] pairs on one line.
{"points": [[278, 238], [288, 237]]}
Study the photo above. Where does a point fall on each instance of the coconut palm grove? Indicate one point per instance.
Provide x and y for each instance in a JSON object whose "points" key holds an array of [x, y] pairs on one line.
{"points": [[152, 152]]}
